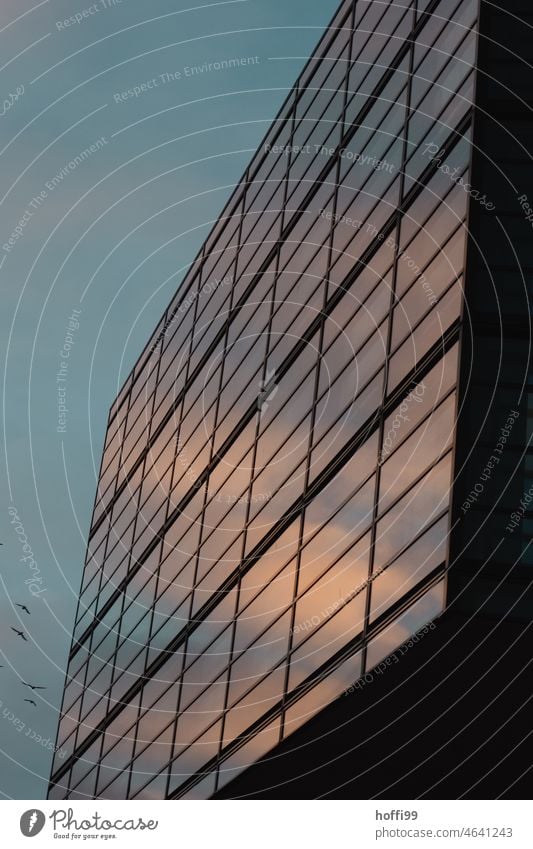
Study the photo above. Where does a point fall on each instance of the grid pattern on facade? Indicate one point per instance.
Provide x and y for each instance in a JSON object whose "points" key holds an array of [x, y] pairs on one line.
{"points": [[273, 502]]}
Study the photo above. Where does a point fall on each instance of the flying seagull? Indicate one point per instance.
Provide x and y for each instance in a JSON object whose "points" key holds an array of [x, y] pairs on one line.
{"points": [[20, 633], [23, 607], [31, 702], [34, 686]]}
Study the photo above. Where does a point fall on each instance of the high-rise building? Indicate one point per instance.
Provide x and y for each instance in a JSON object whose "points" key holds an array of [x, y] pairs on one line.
{"points": [[308, 517]]}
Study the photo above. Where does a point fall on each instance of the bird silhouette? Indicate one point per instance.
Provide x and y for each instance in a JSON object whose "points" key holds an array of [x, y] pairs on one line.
{"points": [[19, 633], [31, 702], [23, 607], [34, 686]]}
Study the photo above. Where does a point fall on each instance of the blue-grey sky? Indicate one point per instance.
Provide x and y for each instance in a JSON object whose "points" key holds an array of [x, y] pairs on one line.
{"points": [[109, 236]]}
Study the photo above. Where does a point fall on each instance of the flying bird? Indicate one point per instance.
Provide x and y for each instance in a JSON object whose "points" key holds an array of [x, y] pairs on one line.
{"points": [[34, 686], [19, 633], [31, 702], [23, 607]]}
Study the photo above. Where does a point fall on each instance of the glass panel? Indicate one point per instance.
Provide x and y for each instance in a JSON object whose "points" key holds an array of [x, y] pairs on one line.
{"points": [[201, 713], [203, 790], [418, 508], [411, 567], [432, 328], [336, 683], [256, 747], [419, 451], [332, 592], [405, 626], [349, 423], [436, 384], [331, 638], [270, 564], [194, 757], [254, 705], [337, 535]]}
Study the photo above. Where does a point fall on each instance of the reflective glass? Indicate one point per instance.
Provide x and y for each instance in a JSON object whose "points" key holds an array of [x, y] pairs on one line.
{"points": [[275, 483]]}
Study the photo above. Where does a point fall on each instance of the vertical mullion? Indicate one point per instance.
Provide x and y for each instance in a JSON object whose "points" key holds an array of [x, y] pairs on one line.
{"points": [[179, 411], [316, 385], [125, 593], [264, 374], [206, 484], [221, 382], [387, 357]]}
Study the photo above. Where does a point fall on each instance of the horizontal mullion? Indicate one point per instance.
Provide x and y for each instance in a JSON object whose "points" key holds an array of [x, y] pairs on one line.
{"points": [[317, 677], [315, 325], [237, 196], [368, 428], [305, 204]]}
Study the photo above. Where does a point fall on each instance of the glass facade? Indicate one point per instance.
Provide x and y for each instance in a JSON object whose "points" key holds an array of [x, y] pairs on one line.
{"points": [[272, 514]]}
